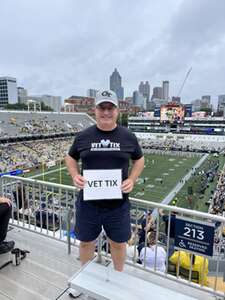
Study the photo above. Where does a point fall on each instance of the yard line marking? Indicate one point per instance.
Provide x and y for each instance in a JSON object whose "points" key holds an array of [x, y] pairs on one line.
{"points": [[46, 173]]}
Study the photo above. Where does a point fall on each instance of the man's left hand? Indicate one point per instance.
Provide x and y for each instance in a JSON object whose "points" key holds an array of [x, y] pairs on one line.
{"points": [[127, 185]]}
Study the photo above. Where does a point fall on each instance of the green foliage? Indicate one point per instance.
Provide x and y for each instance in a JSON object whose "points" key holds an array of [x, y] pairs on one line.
{"points": [[123, 119], [16, 106], [207, 110], [45, 107], [23, 106]]}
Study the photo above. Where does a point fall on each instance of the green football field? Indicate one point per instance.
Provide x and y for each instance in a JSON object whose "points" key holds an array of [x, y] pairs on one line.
{"points": [[160, 175]]}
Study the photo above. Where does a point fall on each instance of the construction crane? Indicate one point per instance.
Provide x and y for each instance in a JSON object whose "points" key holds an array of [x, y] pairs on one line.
{"points": [[185, 79]]}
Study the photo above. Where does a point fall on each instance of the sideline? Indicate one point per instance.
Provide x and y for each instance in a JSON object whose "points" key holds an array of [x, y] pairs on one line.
{"points": [[46, 173]]}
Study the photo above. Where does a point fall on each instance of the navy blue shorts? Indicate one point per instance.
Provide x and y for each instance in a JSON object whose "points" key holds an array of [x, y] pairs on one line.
{"points": [[90, 219]]}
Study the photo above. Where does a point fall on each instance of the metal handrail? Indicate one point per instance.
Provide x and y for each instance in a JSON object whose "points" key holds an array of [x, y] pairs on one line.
{"points": [[11, 182]]}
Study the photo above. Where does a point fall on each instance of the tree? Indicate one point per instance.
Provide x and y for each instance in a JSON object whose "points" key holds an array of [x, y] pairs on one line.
{"points": [[16, 106], [45, 107], [123, 119], [208, 110]]}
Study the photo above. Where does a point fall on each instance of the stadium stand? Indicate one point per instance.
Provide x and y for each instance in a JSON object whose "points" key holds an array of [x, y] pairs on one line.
{"points": [[32, 153], [16, 123], [44, 206], [188, 143], [218, 199]]}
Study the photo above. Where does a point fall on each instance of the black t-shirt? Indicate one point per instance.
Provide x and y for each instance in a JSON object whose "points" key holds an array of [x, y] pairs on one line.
{"points": [[100, 149]]}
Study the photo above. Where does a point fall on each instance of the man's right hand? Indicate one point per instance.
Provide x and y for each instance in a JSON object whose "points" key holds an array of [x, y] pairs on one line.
{"points": [[79, 181]]}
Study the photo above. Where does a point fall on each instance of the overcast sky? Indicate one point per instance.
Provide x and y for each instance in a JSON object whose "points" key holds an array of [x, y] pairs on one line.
{"points": [[64, 47]]}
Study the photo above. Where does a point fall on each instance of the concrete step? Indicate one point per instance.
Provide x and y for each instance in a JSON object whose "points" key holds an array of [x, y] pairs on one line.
{"points": [[43, 274], [4, 297]]}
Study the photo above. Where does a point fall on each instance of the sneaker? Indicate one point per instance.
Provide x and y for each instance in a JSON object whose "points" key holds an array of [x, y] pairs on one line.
{"points": [[73, 293], [6, 246]]}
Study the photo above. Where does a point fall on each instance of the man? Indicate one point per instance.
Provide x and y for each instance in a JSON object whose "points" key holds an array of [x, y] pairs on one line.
{"points": [[5, 213], [105, 146]]}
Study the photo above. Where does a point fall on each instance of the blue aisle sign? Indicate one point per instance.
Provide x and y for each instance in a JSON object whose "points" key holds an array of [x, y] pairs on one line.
{"points": [[12, 173], [196, 237]]}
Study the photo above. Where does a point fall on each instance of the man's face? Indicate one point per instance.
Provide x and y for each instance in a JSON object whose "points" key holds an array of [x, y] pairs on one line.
{"points": [[106, 115]]}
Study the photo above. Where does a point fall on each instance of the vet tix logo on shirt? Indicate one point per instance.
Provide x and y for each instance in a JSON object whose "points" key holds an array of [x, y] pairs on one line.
{"points": [[105, 145]]}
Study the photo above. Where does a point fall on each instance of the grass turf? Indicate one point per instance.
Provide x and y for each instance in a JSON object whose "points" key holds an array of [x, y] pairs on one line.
{"points": [[160, 175]]}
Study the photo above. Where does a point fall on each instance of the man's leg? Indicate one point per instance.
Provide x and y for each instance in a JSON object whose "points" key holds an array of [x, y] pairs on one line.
{"points": [[87, 250], [118, 253]]}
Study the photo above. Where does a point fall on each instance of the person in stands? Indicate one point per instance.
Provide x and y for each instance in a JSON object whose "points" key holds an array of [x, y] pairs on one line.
{"points": [[5, 213], [153, 256]]}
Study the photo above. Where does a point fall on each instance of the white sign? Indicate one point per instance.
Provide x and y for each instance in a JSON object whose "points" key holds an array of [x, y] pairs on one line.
{"points": [[50, 164], [102, 184]]}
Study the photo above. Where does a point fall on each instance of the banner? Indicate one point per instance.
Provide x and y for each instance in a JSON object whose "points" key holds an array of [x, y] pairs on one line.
{"points": [[195, 237], [50, 164], [102, 184], [12, 173]]}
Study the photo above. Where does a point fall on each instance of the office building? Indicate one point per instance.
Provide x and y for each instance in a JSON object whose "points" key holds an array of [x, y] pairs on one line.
{"points": [[221, 104], [52, 101], [91, 93], [8, 91], [139, 100], [196, 105], [205, 102], [115, 82], [22, 95], [144, 89], [165, 90], [157, 93]]}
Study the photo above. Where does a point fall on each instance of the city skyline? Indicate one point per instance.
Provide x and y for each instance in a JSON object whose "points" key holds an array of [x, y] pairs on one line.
{"points": [[63, 55]]}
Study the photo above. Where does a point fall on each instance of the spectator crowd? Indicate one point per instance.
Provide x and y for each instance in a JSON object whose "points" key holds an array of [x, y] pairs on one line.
{"points": [[32, 154]]}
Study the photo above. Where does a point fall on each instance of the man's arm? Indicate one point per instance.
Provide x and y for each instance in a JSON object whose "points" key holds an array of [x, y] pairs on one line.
{"points": [[73, 168], [137, 168], [161, 213]]}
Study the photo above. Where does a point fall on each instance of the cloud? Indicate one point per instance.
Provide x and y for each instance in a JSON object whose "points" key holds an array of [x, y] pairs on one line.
{"points": [[195, 38], [65, 47]]}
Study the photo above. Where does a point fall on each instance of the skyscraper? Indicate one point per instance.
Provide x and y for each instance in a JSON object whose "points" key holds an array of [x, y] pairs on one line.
{"points": [[91, 93], [205, 102], [22, 94], [165, 90], [157, 93], [144, 89], [8, 91], [221, 104], [116, 84], [139, 100]]}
